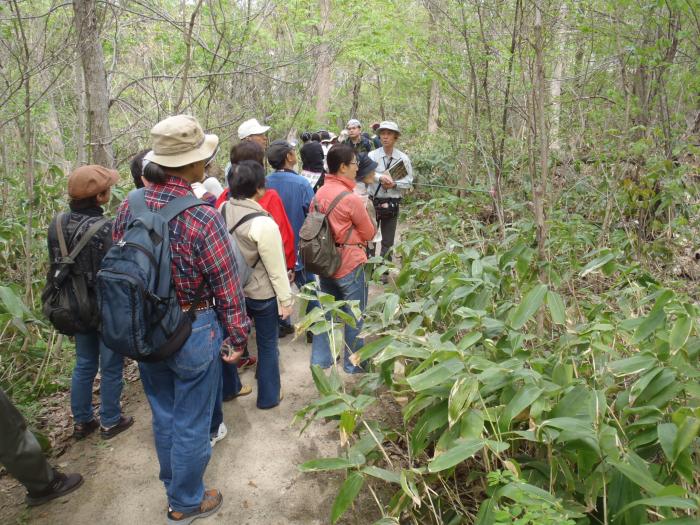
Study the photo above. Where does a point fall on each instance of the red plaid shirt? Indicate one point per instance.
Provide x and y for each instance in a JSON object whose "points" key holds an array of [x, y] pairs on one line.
{"points": [[201, 248]]}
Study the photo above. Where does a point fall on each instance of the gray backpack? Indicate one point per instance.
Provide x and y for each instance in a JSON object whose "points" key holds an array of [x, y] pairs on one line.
{"points": [[318, 250], [245, 270]]}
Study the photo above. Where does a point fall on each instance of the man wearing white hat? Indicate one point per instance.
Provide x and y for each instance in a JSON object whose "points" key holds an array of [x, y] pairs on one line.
{"points": [[393, 177], [252, 130]]}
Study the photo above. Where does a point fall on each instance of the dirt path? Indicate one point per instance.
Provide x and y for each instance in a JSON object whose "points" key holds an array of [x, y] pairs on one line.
{"points": [[255, 467]]}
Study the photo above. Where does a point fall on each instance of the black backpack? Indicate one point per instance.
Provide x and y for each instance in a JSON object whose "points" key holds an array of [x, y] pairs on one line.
{"points": [[318, 250], [67, 301]]}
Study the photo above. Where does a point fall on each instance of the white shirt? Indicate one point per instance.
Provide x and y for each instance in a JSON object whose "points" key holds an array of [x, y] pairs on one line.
{"points": [[385, 162]]}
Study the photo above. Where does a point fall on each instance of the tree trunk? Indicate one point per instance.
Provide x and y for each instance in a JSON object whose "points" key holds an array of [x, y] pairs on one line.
{"points": [[434, 106], [323, 68], [555, 88], [92, 58], [356, 88], [540, 183], [81, 109]]}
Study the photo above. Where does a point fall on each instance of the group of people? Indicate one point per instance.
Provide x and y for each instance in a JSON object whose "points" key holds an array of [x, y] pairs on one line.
{"points": [[257, 217]]}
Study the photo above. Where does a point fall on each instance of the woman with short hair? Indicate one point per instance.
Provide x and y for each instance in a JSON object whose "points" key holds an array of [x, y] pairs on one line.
{"points": [[268, 295]]}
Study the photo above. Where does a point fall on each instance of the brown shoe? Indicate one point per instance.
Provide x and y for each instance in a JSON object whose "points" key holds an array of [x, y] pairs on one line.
{"points": [[244, 391], [83, 430], [209, 505], [124, 423]]}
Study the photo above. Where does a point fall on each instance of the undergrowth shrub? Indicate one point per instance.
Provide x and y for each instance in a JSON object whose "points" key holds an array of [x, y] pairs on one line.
{"points": [[586, 413]]}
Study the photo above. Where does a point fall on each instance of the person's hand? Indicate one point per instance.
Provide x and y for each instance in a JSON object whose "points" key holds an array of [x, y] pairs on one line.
{"points": [[290, 275], [386, 181], [285, 311], [229, 354]]}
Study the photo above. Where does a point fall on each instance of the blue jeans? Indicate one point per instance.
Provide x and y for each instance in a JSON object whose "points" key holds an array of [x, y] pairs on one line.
{"points": [[91, 352], [230, 384], [265, 315], [302, 277], [181, 391], [350, 287]]}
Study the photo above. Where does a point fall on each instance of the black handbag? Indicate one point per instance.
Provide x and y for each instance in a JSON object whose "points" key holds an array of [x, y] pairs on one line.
{"points": [[386, 208]]}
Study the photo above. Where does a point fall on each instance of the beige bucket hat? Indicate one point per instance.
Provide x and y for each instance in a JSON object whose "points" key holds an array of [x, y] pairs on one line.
{"points": [[179, 141]]}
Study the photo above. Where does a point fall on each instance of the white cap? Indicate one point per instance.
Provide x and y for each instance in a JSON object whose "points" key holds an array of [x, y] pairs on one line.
{"points": [[389, 125], [353, 122], [251, 127]]}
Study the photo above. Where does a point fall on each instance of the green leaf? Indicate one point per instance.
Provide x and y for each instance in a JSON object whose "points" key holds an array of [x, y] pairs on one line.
{"points": [[556, 307], [685, 436], [522, 399], [348, 492], [463, 392], [636, 470], [632, 365], [391, 307], [528, 307], [322, 464], [663, 501], [596, 263], [680, 333], [650, 323], [463, 449], [321, 381], [386, 475], [14, 305], [667, 436], [436, 375], [373, 348]]}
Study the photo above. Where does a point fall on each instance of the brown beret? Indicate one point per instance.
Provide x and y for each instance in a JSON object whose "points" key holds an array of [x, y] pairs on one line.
{"points": [[88, 181]]}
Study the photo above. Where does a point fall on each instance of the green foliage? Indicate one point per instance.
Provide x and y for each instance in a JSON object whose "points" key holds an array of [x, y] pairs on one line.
{"points": [[597, 410]]}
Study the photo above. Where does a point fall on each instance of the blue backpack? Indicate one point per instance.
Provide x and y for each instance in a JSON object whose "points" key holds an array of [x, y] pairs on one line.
{"points": [[140, 314]]}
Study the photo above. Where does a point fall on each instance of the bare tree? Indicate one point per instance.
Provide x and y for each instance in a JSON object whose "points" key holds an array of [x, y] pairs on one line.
{"points": [[92, 58], [323, 71]]}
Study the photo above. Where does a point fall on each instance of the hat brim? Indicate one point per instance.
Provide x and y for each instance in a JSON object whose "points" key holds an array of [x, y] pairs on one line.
{"points": [[255, 131], [389, 129], [366, 170], [203, 152]]}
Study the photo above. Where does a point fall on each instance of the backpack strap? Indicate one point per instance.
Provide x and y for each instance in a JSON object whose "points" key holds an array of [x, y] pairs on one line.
{"points": [[176, 206], [245, 219], [59, 233], [138, 207], [69, 258], [334, 203]]}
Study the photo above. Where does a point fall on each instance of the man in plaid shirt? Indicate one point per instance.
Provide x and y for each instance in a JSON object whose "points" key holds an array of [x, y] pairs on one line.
{"points": [[182, 390]]}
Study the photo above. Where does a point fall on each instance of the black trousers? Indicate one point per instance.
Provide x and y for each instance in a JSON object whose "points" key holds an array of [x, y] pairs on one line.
{"points": [[388, 229], [20, 452]]}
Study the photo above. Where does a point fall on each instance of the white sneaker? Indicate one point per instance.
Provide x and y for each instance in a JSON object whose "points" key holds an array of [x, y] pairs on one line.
{"points": [[221, 434]]}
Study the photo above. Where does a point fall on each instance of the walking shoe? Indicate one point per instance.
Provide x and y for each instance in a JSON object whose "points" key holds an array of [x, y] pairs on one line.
{"points": [[244, 391], [285, 330], [209, 505], [220, 434], [247, 362], [61, 485], [83, 430], [124, 423]]}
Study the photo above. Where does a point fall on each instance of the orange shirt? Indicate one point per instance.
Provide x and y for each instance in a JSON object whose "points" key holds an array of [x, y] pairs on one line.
{"points": [[349, 212]]}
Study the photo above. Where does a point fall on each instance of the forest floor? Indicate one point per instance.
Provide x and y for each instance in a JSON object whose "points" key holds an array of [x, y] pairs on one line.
{"points": [[255, 466]]}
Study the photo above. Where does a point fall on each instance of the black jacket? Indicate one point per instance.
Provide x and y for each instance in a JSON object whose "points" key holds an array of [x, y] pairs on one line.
{"points": [[75, 224]]}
